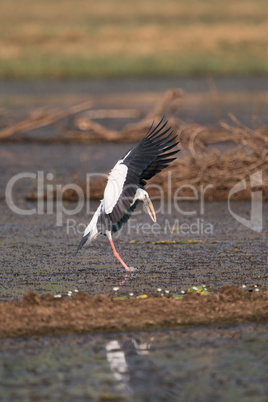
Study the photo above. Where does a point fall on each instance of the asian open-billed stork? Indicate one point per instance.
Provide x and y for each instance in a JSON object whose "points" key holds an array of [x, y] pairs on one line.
{"points": [[126, 181]]}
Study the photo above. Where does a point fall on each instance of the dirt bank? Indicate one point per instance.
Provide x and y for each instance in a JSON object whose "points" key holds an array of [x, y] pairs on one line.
{"points": [[46, 315]]}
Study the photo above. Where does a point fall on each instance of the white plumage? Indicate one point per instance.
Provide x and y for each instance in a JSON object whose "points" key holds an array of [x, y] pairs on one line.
{"points": [[114, 187]]}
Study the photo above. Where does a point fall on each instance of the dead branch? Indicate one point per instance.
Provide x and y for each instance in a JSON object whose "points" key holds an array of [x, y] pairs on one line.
{"points": [[41, 120]]}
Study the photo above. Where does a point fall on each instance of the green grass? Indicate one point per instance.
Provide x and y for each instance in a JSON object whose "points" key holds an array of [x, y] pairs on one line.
{"points": [[76, 68], [119, 38]]}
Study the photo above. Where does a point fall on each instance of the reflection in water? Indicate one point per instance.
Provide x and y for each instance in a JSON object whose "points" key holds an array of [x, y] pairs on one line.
{"points": [[124, 280], [188, 364], [118, 354], [118, 364], [142, 348], [127, 276]]}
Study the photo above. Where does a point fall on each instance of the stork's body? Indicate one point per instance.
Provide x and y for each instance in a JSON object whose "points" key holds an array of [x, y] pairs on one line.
{"points": [[126, 181]]}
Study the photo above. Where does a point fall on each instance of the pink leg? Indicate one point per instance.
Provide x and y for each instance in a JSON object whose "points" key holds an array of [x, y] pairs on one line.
{"points": [[126, 277], [118, 256]]}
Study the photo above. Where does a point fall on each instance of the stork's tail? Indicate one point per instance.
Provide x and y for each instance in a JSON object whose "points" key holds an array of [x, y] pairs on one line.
{"points": [[82, 242]]}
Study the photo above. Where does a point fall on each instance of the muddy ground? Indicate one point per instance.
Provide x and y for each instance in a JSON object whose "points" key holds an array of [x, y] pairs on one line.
{"points": [[46, 315]]}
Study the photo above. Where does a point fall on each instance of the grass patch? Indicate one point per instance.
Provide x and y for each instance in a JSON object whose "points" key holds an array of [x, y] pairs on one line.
{"points": [[118, 38], [78, 68]]}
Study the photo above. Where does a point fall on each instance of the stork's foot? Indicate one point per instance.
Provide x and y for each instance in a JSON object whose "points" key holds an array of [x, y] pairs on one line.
{"points": [[132, 269]]}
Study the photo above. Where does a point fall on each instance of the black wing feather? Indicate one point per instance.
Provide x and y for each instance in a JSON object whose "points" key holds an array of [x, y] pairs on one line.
{"points": [[145, 160]]}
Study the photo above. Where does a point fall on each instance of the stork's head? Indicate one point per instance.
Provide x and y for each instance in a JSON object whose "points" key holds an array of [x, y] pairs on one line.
{"points": [[143, 196]]}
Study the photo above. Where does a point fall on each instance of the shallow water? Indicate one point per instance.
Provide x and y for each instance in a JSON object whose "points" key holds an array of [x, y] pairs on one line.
{"points": [[208, 99], [193, 364]]}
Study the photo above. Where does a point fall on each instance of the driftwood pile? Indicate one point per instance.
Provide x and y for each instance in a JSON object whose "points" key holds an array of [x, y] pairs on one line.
{"points": [[201, 163], [203, 167]]}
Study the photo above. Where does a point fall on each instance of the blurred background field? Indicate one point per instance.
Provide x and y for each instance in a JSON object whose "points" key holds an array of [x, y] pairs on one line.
{"points": [[123, 38]]}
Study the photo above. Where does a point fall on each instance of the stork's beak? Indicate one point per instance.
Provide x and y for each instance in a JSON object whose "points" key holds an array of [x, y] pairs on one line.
{"points": [[150, 209]]}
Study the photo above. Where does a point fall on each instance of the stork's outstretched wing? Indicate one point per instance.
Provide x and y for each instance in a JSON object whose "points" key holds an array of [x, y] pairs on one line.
{"points": [[151, 155]]}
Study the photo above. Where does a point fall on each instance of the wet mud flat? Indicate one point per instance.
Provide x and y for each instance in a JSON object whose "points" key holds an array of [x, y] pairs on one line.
{"points": [[38, 256]]}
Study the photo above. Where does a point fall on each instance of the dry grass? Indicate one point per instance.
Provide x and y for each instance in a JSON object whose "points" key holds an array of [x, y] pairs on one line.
{"points": [[57, 39]]}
